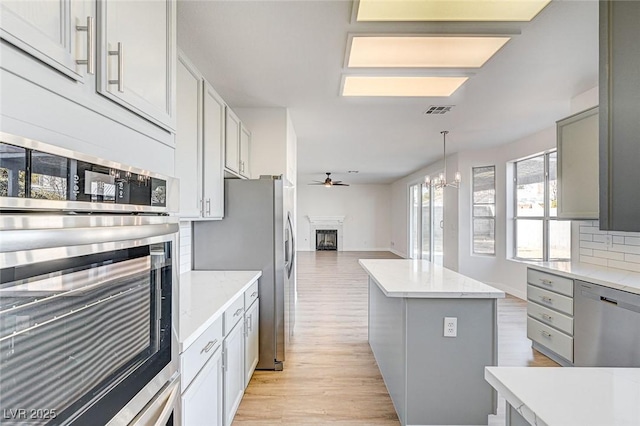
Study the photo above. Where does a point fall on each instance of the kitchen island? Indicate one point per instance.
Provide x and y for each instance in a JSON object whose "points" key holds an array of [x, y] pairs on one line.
{"points": [[568, 396], [432, 379]]}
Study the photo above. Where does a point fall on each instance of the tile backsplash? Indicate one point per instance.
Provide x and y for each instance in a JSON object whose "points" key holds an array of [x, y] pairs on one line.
{"points": [[185, 246], [615, 249]]}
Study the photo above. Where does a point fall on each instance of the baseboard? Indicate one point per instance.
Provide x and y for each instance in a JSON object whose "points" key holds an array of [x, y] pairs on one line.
{"points": [[510, 290], [397, 253]]}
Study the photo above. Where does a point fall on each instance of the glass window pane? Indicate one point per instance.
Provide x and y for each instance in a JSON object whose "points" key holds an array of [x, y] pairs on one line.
{"points": [[529, 239], [426, 223], [438, 226], [13, 166], [48, 176], [530, 187], [484, 185], [484, 210], [559, 239], [553, 184], [414, 203], [484, 236]]}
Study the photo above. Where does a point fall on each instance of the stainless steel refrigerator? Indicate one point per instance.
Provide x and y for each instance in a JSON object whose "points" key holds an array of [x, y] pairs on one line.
{"points": [[256, 234]]}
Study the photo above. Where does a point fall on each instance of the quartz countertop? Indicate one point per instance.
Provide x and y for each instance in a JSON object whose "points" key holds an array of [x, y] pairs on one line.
{"points": [[204, 296], [608, 277], [423, 279], [557, 396]]}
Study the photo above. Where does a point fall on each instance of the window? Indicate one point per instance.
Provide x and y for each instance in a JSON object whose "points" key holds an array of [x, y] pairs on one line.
{"points": [[484, 210], [420, 203], [538, 233]]}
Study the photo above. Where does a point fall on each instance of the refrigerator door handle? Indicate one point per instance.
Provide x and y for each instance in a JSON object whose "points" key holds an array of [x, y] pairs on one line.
{"points": [[291, 249]]}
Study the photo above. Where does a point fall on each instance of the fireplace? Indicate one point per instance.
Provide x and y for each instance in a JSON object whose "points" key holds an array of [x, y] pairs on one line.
{"points": [[327, 239]]}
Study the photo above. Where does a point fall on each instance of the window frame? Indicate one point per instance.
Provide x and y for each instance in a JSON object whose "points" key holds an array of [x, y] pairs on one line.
{"points": [[546, 218], [473, 214]]}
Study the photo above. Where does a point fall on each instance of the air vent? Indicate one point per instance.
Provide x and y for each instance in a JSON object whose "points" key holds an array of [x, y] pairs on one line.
{"points": [[438, 109]]}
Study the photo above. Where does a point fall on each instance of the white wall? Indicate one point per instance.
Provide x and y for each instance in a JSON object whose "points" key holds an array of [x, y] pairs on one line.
{"points": [[366, 208]]}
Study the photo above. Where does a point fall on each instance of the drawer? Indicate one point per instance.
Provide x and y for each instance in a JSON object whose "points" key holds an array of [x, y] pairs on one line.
{"points": [[551, 282], [550, 299], [550, 338], [250, 295], [196, 355], [233, 314], [555, 319]]}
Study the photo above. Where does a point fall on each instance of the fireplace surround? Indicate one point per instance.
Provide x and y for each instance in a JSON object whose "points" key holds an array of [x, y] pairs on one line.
{"points": [[334, 223]]}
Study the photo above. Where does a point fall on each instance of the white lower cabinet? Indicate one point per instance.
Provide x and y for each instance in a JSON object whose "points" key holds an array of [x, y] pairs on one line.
{"points": [[202, 401], [233, 372], [252, 349]]}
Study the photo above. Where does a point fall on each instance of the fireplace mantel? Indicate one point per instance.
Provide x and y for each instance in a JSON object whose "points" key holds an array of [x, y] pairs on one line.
{"points": [[323, 220], [327, 222]]}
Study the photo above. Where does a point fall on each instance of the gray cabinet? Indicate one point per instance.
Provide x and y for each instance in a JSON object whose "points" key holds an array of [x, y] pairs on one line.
{"points": [[619, 115], [137, 57], [578, 165], [60, 33]]}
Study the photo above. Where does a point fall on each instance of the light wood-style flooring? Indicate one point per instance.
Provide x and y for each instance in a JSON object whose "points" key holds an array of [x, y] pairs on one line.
{"points": [[330, 375]]}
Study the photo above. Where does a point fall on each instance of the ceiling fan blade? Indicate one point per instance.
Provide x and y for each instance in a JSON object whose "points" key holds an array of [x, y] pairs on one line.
{"points": [[336, 182], [340, 184], [319, 183]]}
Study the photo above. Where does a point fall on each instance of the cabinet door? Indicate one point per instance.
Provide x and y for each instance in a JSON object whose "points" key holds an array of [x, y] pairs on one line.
{"points": [[137, 56], [213, 147], [245, 146], [202, 400], [578, 166], [252, 349], [233, 372], [188, 166], [232, 142], [48, 30], [619, 93]]}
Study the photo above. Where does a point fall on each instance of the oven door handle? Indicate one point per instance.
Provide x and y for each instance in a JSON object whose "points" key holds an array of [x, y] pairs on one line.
{"points": [[164, 402]]}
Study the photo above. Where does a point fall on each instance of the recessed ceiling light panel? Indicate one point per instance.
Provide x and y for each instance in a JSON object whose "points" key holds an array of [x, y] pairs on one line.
{"points": [[449, 10], [400, 86], [422, 51]]}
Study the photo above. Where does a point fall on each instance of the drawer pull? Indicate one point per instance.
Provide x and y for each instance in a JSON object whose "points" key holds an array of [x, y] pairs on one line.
{"points": [[209, 346], [238, 312], [606, 299], [545, 281], [545, 334], [546, 299], [547, 317], [254, 294]]}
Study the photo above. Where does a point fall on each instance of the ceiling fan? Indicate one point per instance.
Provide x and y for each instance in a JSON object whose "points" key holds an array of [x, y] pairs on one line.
{"points": [[328, 182]]}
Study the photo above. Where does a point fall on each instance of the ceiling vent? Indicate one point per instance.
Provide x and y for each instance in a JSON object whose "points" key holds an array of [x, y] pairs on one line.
{"points": [[438, 109]]}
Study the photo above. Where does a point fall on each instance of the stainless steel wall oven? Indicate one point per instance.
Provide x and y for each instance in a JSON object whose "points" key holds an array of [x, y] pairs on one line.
{"points": [[88, 265]]}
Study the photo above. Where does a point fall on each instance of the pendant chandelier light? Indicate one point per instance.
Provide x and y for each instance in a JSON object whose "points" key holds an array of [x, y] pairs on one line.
{"points": [[441, 180]]}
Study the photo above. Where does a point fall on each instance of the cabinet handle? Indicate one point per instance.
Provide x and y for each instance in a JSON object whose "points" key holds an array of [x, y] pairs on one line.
{"points": [[91, 60], [545, 334], [208, 206], [254, 293], [224, 360], [238, 312], [209, 346], [120, 53], [249, 323], [547, 317], [546, 282], [546, 299]]}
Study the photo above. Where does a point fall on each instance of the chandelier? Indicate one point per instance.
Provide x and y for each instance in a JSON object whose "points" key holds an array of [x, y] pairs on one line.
{"points": [[441, 180]]}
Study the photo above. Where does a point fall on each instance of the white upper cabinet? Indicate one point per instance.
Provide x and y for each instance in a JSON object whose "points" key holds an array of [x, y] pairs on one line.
{"points": [[245, 144], [137, 56], [199, 145], [232, 142], [213, 152], [578, 178], [188, 166], [60, 33]]}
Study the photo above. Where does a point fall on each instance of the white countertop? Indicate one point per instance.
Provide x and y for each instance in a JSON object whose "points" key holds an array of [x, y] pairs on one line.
{"points": [[423, 279], [204, 296], [557, 396], [608, 277]]}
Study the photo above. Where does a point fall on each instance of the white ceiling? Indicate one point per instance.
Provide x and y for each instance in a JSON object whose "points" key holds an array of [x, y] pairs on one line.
{"points": [[292, 53]]}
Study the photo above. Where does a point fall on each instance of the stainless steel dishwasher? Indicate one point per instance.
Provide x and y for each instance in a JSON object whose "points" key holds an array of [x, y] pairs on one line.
{"points": [[607, 327]]}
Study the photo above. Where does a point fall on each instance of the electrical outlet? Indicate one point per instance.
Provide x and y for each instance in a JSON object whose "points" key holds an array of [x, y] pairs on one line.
{"points": [[450, 327]]}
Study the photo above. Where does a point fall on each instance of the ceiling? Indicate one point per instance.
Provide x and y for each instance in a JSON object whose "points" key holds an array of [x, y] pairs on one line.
{"points": [[292, 54]]}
